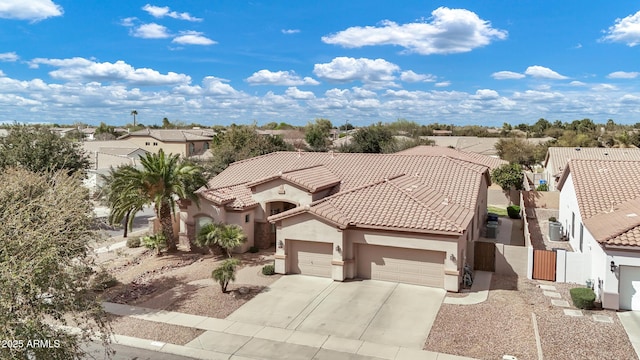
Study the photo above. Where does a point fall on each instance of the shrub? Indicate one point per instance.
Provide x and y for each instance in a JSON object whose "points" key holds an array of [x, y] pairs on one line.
{"points": [[156, 242], [268, 270], [543, 187], [102, 280], [513, 211], [134, 242], [254, 249], [582, 297], [553, 219]]}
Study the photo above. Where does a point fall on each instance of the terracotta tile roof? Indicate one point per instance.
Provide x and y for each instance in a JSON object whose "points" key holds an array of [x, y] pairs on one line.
{"points": [[313, 178], [426, 150], [450, 176], [558, 157], [607, 191], [423, 193], [400, 203], [171, 135]]}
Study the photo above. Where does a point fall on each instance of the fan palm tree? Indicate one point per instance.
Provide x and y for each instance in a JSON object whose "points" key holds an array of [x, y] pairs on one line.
{"points": [[162, 180], [225, 273], [134, 113], [227, 237]]}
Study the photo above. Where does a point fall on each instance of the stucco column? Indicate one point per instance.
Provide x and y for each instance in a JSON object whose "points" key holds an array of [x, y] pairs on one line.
{"points": [[338, 263], [281, 255]]}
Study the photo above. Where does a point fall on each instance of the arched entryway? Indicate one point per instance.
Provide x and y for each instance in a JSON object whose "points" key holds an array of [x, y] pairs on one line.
{"points": [[265, 233]]}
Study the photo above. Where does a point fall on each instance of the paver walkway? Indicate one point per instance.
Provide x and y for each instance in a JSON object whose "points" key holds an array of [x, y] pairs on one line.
{"points": [[225, 339]]}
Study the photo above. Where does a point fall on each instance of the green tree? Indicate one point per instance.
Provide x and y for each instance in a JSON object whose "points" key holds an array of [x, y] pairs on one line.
{"points": [[45, 268], [317, 134], [371, 139], [238, 143], [124, 204], [37, 149], [134, 113], [166, 124], [520, 151], [508, 176], [162, 180], [225, 273], [105, 132], [228, 237]]}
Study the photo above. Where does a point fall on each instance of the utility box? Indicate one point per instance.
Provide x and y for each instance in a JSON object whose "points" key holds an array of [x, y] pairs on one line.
{"points": [[555, 231]]}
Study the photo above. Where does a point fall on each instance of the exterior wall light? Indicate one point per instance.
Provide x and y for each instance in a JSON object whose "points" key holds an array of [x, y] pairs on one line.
{"points": [[613, 266], [280, 244], [338, 249]]}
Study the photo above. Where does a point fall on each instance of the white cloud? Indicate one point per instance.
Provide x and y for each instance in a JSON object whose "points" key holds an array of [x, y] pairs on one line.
{"points": [[604, 87], [151, 31], [626, 30], [410, 76], [160, 12], [128, 22], [295, 93], [9, 56], [34, 10], [290, 31], [442, 84], [623, 75], [217, 86], [486, 94], [80, 69], [542, 72], [447, 31], [378, 72], [282, 78], [507, 75], [192, 38]]}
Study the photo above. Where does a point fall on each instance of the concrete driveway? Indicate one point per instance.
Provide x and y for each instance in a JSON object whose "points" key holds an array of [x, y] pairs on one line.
{"points": [[376, 311], [631, 322]]}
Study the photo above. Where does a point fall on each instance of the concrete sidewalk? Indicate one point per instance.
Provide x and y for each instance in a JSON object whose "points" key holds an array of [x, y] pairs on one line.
{"points": [[226, 339], [479, 291]]}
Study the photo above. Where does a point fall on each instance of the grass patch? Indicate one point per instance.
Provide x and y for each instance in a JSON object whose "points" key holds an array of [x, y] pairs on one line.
{"points": [[497, 210]]}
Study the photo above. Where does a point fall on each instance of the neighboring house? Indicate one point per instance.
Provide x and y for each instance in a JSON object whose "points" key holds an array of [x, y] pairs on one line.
{"points": [[103, 155], [404, 218], [558, 157], [600, 214], [290, 136], [474, 144], [184, 142]]}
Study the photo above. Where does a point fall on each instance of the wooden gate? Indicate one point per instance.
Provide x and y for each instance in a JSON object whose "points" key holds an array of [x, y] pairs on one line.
{"points": [[484, 257], [544, 265]]}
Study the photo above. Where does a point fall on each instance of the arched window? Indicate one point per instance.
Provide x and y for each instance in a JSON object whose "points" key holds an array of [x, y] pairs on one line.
{"points": [[202, 221]]}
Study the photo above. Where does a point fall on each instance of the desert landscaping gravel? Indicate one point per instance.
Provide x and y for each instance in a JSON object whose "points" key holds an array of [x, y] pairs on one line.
{"points": [[154, 331], [503, 325]]}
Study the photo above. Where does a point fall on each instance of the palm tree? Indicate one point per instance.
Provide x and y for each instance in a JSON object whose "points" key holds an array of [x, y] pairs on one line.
{"points": [[162, 180], [225, 273], [134, 113], [123, 204], [227, 237]]}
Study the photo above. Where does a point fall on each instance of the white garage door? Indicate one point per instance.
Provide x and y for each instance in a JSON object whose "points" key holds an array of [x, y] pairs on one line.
{"points": [[410, 266], [311, 258], [630, 287]]}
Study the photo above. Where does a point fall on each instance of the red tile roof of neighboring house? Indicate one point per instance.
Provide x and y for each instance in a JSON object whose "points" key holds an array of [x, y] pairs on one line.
{"points": [[421, 192], [557, 157], [428, 150], [608, 194]]}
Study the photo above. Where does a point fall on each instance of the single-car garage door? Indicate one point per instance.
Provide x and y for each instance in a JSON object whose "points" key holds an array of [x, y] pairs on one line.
{"points": [[630, 287], [311, 258], [410, 266]]}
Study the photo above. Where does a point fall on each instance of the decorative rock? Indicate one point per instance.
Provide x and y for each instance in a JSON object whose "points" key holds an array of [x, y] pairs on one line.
{"points": [[243, 290]]}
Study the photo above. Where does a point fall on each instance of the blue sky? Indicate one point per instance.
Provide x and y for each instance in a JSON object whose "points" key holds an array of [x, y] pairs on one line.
{"points": [[218, 62]]}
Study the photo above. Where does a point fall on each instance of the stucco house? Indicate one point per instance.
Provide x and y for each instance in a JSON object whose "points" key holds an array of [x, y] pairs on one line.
{"points": [[104, 155], [557, 159], [184, 142], [600, 213], [404, 218]]}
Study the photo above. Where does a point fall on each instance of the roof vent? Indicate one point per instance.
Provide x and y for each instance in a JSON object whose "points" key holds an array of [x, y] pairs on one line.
{"points": [[331, 154], [578, 149], [632, 215], [606, 153], [299, 153], [445, 201], [307, 207]]}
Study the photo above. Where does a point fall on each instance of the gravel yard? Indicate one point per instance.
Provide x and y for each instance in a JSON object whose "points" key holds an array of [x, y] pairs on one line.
{"points": [[503, 325], [154, 331]]}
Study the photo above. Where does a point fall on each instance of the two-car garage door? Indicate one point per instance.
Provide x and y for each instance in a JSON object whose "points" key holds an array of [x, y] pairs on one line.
{"points": [[410, 266]]}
